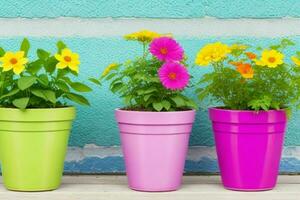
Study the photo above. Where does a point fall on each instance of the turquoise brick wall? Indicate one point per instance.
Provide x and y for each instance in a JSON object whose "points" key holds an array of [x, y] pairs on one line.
{"points": [[151, 8], [94, 143]]}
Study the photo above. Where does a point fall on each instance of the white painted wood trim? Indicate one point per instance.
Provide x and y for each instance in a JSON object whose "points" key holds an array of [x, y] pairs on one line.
{"points": [[108, 27], [194, 188]]}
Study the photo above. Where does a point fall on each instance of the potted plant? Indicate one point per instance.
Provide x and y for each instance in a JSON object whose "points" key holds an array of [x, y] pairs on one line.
{"points": [[254, 88], [157, 119], [35, 117]]}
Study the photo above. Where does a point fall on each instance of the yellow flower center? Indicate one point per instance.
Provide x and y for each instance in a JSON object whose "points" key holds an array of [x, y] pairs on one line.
{"points": [[13, 61], [67, 58], [164, 51], [172, 76], [272, 59]]}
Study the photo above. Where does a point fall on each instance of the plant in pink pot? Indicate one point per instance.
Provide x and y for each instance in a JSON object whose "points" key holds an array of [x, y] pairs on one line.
{"points": [[157, 119], [254, 89]]}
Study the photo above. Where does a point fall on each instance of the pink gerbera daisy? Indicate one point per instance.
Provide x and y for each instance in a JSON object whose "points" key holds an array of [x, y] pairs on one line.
{"points": [[174, 76], [166, 49]]}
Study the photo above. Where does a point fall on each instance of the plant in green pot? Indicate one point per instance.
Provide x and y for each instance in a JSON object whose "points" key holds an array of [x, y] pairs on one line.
{"points": [[157, 118], [35, 115], [253, 88]]}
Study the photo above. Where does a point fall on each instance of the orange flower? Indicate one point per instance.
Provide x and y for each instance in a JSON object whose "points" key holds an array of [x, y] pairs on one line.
{"points": [[250, 55], [245, 70]]}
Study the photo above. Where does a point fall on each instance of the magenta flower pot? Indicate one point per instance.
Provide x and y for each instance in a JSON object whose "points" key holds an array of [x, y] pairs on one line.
{"points": [[155, 145], [249, 146]]}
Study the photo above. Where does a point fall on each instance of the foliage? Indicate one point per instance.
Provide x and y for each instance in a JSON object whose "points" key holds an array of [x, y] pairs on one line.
{"points": [[138, 82], [246, 80], [39, 83]]}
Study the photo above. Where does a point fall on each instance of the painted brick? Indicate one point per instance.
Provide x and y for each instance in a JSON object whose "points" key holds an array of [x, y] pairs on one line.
{"points": [[150, 8]]}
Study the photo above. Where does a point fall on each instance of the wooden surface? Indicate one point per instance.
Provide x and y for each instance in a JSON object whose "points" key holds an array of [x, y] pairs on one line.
{"points": [[115, 188]]}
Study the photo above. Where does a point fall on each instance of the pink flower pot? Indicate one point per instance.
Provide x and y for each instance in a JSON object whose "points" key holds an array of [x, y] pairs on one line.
{"points": [[249, 146], [154, 145]]}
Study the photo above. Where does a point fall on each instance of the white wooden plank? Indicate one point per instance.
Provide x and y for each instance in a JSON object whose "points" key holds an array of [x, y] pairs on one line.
{"points": [[115, 188], [108, 27]]}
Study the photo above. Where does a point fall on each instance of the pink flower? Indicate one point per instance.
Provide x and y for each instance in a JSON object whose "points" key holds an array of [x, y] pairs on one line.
{"points": [[166, 49], [173, 76]]}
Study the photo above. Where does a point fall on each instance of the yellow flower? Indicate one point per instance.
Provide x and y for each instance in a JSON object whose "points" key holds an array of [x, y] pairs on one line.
{"points": [[142, 36], [238, 47], [213, 52], [110, 67], [259, 62], [68, 59], [296, 60], [14, 61], [270, 58]]}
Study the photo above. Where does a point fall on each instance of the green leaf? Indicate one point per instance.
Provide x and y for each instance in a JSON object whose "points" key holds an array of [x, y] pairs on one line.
{"points": [[191, 104], [50, 64], [73, 72], [275, 47], [206, 78], [2, 52], [264, 107], [110, 76], [287, 42], [258, 104], [154, 79], [178, 100], [236, 52], [11, 93], [25, 82], [25, 45], [115, 87], [80, 87], [36, 101], [62, 86], [43, 79], [275, 105], [127, 99], [61, 73], [166, 104], [60, 46], [147, 96], [42, 54], [202, 94], [21, 102], [77, 98], [94, 80], [150, 90], [157, 106], [147, 91], [47, 95], [35, 66], [67, 79]]}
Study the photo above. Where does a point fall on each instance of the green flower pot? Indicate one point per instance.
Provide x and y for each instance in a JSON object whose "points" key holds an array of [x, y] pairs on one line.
{"points": [[33, 145]]}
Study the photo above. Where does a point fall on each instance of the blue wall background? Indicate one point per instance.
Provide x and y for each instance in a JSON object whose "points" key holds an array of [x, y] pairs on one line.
{"points": [[150, 8], [96, 125]]}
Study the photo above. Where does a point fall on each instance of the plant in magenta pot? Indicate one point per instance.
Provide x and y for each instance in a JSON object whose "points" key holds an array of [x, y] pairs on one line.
{"points": [[35, 115], [157, 119], [254, 88]]}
